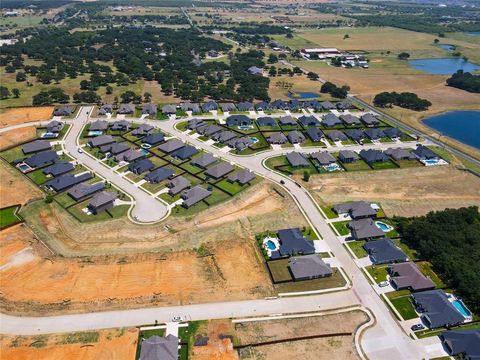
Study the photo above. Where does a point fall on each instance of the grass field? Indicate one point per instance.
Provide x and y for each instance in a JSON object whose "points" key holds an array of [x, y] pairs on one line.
{"points": [[8, 216]]}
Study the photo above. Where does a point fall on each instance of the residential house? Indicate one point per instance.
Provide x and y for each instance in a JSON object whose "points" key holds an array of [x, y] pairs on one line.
{"points": [[65, 181], [101, 141], [194, 123], [323, 158], [185, 152], [400, 154], [313, 104], [394, 133], [142, 130], [384, 251], [424, 153], [308, 267], [36, 146], [296, 137], [365, 229], [372, 156], [203, 161], [277, 138], [245, 106], [262, 106], [105, 109], [336, 135], [327, 105], [227, 107], [140, 166], [121, 125], [241, 177], [194, 108], [266, 121], [98, 125], [149, 109], [315, 134], [408, 276], [240, 143], [297, 159], [347, 156], [64, 110], [350, 120], [238, 120], [129, 155], [278, 105], [126, 109], [156, 348], [58, 168], [287, 120], [169, 109], [374, 133], [308, 120], [224, 136], [55, 126], [462, 343], [171, 145], [254, 70], [158, 175], [355, 209], [344, 105], [209, 130], [436, 309], [209, 106], [194, 195], [356, 135], [84, 190], [292, 242], [102, 201], [220, 170], [370, 120], [154, 139], [177, 185], [41, 159], [114, 148], [330, 120]]}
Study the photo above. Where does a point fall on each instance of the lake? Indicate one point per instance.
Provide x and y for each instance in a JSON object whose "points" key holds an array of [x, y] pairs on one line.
{"points": [[461, 125], [448, 47], [443, 66]]}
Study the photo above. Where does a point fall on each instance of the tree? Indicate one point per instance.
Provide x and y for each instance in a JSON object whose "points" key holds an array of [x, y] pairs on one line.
{"points": [[4, 93], [313, 76], [306, 176], [109, 90], [289, 35], [272, 71], [403, 56], [297, 70], [42, 98], [272, 59], [16, 93], [436, 41], [147, 97], [21, 76], [465, 81], [128, 96], [346, 36]]}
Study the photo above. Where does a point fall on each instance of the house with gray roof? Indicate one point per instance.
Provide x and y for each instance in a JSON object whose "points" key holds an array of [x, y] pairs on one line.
{"points": [[278, 105], [315, 134], [194, 123], [101, 140], [436, 309], [226, 107], [292, 242], [399, 154], [296, 137], [55, 126], [424, 153], [241, 177], [159, 348], [350, 120], [203, 161], [64, 110], [287, 120], [158, 175], [36, 146], [308, 120], [347, 156], [254, 70], [58, 168], [194, 108], [66, 181], [84, 190], [462, 343], [177, 185], [171, 145], [102, 201], [327, 105], [297, 159], [129, 155], [355, 209], [308, 267], [330, 120], [98, 125], [121, 125], [364, 229], [169, 109], [374, 133], [114, 148], [277, 138], [245, 106], [407, 275], [41, 159], [240, 143], [323, 158], [373, 155], [149, 109], [194, 195], [209, 106], [356, 135], [266, 121], [126, 109], [384, 251], [185, 152], [142, 130], [238, 120], [262, 106], [224, 136], [153, 139], [220, 170], [336, 135], [140, 166], [105, 109], [209, 130], [344, 105], [394, 133], [370, 120]]}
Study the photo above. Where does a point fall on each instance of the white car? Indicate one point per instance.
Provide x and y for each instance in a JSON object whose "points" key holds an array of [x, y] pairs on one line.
{"points": [[177, 319], [80, 151], [383, 283]]}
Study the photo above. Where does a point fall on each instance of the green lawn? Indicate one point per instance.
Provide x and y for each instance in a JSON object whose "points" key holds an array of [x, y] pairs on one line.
{"points": [[408, 163], [383, 165], [38, 177], [309, 233], [181, 126], [378, 272], [64, 200], [334, 281], [8, 216], [13, 154], [426, 269], [231, 188], [279, 270], [411, 253], [358, 165], [329, 213], [341, 227], [404, 306], [357, 248]]}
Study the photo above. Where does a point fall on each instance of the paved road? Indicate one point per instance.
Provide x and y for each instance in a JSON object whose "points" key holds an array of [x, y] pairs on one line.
{"points": [[146, 208]]}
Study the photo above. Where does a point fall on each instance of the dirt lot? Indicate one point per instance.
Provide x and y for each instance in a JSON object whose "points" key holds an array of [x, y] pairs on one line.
{"points": [[118, 344], [256, 210], [11, 179], [232, 272], [216, 349], [17, 136], [404, 192], [22, 115], [330, 347]]}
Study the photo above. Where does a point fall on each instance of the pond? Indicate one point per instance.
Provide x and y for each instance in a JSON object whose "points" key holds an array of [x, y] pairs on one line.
{"points": [[473, 33], [303, 95], [462, 125], [443, 66], [448, 47]]}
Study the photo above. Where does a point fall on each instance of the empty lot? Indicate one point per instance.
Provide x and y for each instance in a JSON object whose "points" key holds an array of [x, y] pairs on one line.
{"points": [[22, 115], [24, 190], [403, 192], [17, 136]]}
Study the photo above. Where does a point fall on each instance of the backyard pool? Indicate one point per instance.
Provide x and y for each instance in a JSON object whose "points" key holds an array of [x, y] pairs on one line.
{"points": [[430, 162], [254, 140], [461, 308], [146, 146], [49, 135], [144, 152], [270, 245], [245, 127], [332, 167], [23, 167], [384, 227], [95, 133]]}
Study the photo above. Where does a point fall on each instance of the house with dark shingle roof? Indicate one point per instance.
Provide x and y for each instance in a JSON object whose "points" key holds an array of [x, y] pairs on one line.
{"points": [[194, 108], [83, 190], [149, 109], [194, 195], [370, 120], [142, 130], [242, 177], [308, 120], [101, 141], [121, 125], [227, 107], [436, 309], [129, 155], [160, 174], [344, 105], [209, 130], [462, 343], [287, 120], [58, 168], [347, 156], [323, 158], [64, 110], [315, 134], [308, 267], [297, 159], [277, 138], [364, 229], [126, 109], [185, 152], [356, 135], [296, 137], [238, 120], [55, 126], [336, 135], [36, 146], [105, 109], [153, 139], [99, 125], [245, 106], [224, 136], [169, 109], [374, 133], [240, 143], [350, 120], [203, 161], [41, 159], [400, 154], [114, 148], [209, 106], [102, 201], [355, 209], [266, 121], [330, 120], [171, 145], [424, 153], [140, 166], [177, 185], [194, 123], [292, 242], [261, 106], [66, 181], [219, 170], [278, 105], [394, 133], [327, 105], [159, 348], [384, 251], [408, 276], [373, 155]]}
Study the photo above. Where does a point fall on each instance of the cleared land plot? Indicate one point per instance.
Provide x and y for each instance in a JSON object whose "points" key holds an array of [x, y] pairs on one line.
{"points": [[402, 192], [118, 344], [11, 178], [17, 136], [22, 115], [217, 348]]}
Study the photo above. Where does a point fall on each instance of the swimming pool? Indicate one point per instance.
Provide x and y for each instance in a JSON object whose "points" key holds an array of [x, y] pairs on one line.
{"points": [[430, 162], [461, 308], [384, 227], [95, 133], [144, 152], [254, 139], [23, 167], [48, 135], [332, 167], [146, 146], [245, 127], [270, 245]]}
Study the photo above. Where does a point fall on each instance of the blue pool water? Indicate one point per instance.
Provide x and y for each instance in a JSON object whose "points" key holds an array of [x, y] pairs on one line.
{"points": [[303, 95], [332, 167], [23, 167], [254, 139], [443, 66], [144, 152], [448, 47], [382, 226], [462, 125], [95, 133], [430, 161], [271, 245], [48, 135], [461, 308]]}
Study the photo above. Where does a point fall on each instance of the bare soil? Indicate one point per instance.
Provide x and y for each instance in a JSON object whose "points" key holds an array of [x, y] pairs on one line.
{"points": [[22, 115], [118, 344], [15, 188], [216, 349], [17, 136], [403, 192]]}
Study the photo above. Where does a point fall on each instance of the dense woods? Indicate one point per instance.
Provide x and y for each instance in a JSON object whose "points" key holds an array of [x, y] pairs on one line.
{"points": [[405, 100], [450, 240], [465, 81]]}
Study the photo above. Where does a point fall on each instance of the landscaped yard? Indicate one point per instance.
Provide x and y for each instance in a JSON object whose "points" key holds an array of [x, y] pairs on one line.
{"points": [[341, 227], [334, 281], [8, 216], [358, 165], [378, 272], [357, 248], [383, 165], [329, 213], [426, 269], [411, 253], [404, 307]]}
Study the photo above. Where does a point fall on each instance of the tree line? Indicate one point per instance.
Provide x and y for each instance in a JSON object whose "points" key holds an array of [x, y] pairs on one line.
{"points": [[405, 100], [465, 81]]}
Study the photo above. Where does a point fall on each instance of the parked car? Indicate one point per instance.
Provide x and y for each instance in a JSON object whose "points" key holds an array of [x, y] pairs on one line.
{"points": [[383, 283], [282, 182], [177, 319], [80, 151], [417, 327]]}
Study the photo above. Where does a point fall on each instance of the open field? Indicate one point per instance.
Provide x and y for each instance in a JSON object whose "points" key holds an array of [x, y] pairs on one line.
{"points": [[255, 210], [403, 192], [118, 344], [17, 136], [12, 179], [15, 116], [338, 347], [232, 272]]}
